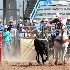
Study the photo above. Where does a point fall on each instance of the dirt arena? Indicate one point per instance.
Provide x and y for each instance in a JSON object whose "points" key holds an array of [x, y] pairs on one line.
{"points": [[7, 65], [28, 62]]}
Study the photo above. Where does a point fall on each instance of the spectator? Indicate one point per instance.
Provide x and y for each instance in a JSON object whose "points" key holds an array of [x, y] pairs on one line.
{"points": [[68, 23], [53, 34], [27, 22], [7, 40], [21, 33], [41, 25], [18, 26], [35, 28], [41, 32], [46, 27], [11, 25], [1, 25]]}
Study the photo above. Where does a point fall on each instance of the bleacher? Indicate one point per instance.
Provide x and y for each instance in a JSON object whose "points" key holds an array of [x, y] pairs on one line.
{"points": [[49, 11], [44, 9]]}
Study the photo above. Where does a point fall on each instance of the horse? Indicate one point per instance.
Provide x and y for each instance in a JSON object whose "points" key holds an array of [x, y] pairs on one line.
{"points": [[61, 43], [40, 50]]}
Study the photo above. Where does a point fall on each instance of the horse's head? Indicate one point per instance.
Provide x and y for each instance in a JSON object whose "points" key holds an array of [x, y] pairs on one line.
{"points": [[63, 25]]}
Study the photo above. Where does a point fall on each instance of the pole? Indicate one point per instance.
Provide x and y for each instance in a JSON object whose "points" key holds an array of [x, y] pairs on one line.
{"points": [[0, 46], [23, 9], [19, 12], [19, 16], [27, 3], [19, 8], [4, 11]]}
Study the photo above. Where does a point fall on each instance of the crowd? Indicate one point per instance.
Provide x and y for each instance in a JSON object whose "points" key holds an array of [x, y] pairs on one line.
{"points": [[29, 28]]}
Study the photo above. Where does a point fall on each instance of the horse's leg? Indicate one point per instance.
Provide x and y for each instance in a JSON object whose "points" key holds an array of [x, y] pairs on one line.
{"points": [[46, 52], [56, 55], [41, 54], [60, 54], [37, 57], [63, 55]]}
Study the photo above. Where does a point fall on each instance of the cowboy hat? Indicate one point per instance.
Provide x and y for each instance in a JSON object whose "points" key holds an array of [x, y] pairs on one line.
{"points": [[0, 20], [11, 21], [20, 25], [5, 26], [57, 15], [20, 20], [68, 17], [34, 21]]}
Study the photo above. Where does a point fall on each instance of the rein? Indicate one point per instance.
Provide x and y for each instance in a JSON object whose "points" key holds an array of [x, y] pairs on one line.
{"points": [[62, 41]]}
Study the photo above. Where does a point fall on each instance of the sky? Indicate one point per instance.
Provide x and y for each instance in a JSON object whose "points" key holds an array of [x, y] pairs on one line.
{"points": [[1, 5]]}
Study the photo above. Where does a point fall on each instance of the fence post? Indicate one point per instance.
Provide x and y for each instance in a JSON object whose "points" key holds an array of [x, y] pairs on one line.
{"points": [[0, 46]]}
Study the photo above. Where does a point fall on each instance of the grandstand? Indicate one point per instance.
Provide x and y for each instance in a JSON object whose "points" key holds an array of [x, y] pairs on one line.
{"points": [[48, 8]]}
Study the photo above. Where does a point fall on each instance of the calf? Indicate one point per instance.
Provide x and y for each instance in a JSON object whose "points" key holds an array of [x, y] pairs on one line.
{"points": [[41, 50]]}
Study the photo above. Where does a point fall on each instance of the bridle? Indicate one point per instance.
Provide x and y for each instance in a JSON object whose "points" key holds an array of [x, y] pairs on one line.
{"points": [[62, 30]]}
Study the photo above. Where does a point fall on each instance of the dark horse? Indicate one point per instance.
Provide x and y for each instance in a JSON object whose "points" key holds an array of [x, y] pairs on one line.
{"points": [[41, 50]]}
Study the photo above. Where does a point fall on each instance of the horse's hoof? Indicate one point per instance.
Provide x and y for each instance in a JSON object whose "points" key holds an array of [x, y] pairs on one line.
{"points": [[39, 62], [30, 64], [46, 58], [55, 62], [51, 63], [43, 63], [60, 63], [64, 63]]}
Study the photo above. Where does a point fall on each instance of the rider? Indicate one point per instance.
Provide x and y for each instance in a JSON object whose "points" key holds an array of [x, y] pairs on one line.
{"points": [[57, 21]]}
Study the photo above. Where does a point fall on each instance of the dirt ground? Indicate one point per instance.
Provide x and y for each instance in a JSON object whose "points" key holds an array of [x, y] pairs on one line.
{"points": [[7, 65], [32, 65]]}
